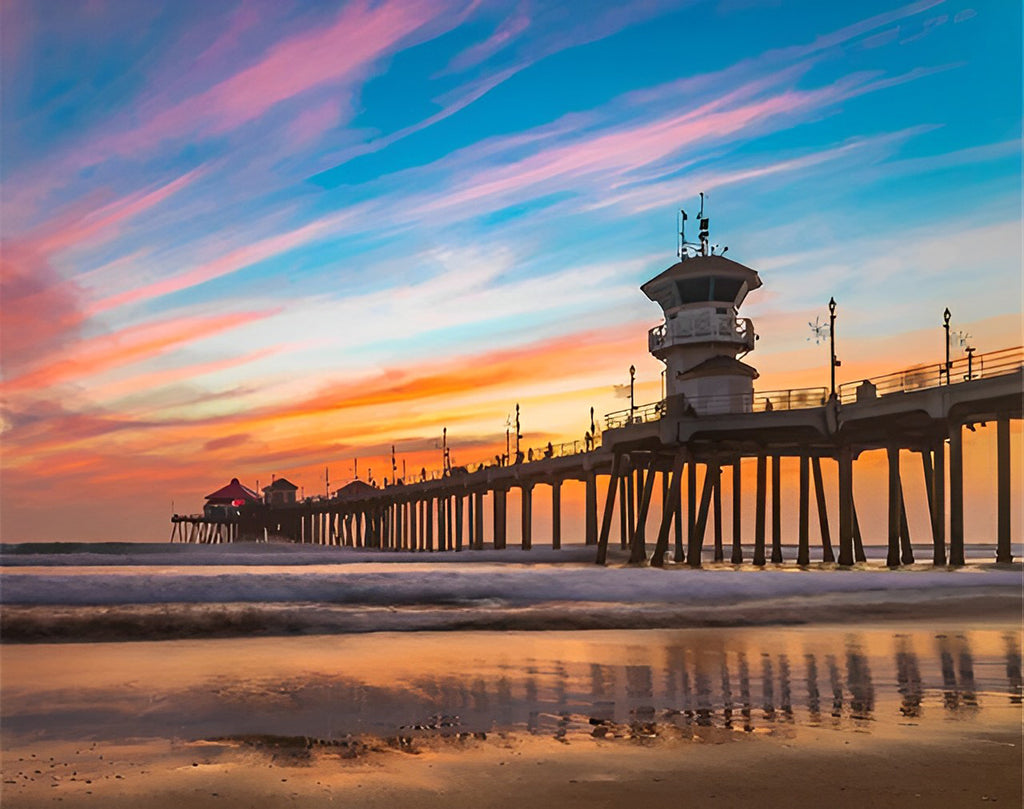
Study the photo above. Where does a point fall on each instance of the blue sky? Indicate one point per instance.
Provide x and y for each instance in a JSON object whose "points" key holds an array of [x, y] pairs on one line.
{"points": [[224, 224]]}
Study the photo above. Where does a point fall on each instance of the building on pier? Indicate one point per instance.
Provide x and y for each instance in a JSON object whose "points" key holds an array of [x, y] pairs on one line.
{"points": [[703, 337], [281, 492], [226, 501]]}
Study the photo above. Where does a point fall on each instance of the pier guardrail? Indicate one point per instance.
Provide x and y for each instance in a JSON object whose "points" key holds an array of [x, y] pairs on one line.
{"points": [[641, 414], [934, 375], [756, 402]]}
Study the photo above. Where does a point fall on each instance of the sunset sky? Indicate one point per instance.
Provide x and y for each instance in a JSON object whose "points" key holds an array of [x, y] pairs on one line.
{"points": [[268, 237]]}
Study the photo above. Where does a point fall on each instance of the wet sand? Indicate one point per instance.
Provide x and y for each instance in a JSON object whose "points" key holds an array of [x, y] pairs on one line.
{"points": [[891, 713], [782, 768]]}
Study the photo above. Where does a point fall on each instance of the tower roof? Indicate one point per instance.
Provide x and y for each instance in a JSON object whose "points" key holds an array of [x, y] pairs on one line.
{"points": [[233, 491], [720, 366], [355, 489], [669, 288], [281, 485]]}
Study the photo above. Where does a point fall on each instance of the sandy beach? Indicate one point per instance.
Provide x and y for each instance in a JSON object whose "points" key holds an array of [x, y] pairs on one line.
{"points": [[920, 710]]}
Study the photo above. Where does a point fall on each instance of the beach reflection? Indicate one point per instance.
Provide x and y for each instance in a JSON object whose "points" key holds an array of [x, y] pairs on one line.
{"points": [[574, 687]]}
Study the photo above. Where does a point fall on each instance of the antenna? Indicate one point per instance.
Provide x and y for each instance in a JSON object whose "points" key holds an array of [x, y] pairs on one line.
{"points": [[701, 247], [681, 252], [702, 234]]}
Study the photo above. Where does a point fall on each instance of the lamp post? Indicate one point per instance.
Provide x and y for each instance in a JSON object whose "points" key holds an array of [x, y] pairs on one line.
{"points": [[518, 436], [945, 325], [834, 363], [632, 386], [444, 451]]}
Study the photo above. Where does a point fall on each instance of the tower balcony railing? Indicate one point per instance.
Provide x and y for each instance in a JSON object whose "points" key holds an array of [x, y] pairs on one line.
{"points": [[700, 327]]}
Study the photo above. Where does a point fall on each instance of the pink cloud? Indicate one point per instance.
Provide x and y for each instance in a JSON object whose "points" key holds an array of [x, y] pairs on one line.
{"points": [[338, 54], [83, 223], [313, 122], [624, 150], [502, 37]]}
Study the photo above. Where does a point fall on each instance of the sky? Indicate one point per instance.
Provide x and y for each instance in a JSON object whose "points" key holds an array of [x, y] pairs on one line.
{"points": [[261, 237]]}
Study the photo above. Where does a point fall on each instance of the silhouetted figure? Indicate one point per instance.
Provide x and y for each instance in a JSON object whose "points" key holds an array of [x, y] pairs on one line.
{"points": [[549, 451], [423, 473], [519, 456]]}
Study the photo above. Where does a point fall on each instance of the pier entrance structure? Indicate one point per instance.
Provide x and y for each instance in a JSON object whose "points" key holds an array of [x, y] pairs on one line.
{"points": [[710, 421]]}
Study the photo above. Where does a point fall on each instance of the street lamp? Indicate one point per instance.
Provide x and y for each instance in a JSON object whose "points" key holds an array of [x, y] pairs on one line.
{"points": [[632, 385], [518, 435], [945, 325], [835, 363]]}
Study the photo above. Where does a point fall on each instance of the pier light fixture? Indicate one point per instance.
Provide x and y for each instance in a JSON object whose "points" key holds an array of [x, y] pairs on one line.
{"points": [[632, 389], [834, 362], [945, 325]]}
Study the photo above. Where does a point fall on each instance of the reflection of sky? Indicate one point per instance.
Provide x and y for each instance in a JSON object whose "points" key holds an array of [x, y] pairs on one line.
{"points": [[268, 237], [328, 687]]}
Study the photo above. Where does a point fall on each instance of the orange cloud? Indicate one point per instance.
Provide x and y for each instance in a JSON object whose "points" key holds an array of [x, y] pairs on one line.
{"points": [[107, 351]]}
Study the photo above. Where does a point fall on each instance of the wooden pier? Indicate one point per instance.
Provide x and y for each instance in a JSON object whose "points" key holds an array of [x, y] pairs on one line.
{"points": [[922, 410]]}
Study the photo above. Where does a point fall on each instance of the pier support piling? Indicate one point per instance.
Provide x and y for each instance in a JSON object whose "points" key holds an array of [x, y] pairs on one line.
{"points": [[1003, 552], [956, 495], [759, 509], [803, 553]]}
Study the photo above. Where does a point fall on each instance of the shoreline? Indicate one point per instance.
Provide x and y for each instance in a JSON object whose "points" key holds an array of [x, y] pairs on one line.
{"points": [[21, 624]]}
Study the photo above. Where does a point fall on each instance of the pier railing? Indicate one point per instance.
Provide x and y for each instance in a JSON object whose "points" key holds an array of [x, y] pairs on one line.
{"points": [[934, 375], [641, 414], [755, 402]]}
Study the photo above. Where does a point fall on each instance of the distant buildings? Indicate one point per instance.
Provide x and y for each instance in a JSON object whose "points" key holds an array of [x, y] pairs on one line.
{"points": [[280, 493]]}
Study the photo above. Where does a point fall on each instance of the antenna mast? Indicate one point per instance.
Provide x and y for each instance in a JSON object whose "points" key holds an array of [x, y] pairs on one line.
{"points": [[701, 247]]}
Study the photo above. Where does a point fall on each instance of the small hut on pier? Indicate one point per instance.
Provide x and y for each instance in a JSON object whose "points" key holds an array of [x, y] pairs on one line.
{"points": [[225, 502], [281, 492]]}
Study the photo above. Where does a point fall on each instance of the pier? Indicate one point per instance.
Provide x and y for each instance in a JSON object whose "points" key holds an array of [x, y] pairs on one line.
{"points": [[710, 420]]}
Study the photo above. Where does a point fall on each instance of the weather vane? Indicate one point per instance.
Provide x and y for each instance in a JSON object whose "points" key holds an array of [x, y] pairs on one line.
{"points": [[819, 331]]}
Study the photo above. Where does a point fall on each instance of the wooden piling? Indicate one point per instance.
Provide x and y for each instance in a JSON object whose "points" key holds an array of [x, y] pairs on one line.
{"points": [[527, 514], [776, 510], [609, 509], [759, 509], [716, 497], [1004, 554], [938, 476], [670, 510], [478, 517], [638, 548], [590, 508], [737, 506], [892, 558], [460, 506], [630, 506], [956, 495], [693, 552], [803, 554], [556, 515], [499, 519], [906, 548], [845, 506], [827, 555]]}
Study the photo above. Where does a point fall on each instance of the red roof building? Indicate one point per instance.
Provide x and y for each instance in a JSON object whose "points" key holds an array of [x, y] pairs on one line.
{"points": [[232, 495]]}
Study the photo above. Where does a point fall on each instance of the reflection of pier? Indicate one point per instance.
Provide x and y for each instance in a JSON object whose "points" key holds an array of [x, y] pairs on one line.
{"points": [[709, 422]]}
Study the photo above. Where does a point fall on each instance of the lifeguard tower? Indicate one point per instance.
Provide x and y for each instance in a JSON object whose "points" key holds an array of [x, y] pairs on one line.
{"points": [[703, 337]]}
